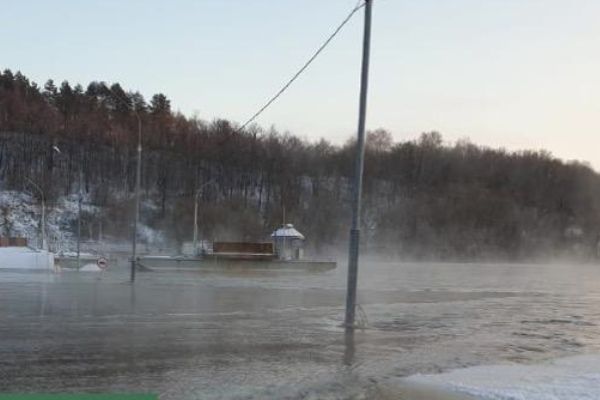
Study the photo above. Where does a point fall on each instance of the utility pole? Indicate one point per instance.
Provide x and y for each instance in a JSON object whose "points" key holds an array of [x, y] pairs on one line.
{"points": [[137, 195], [80, 199], [137, 181], [44, 242], [196, 199], [43, 222], [358, 174], [283, 248], [196, 222]]}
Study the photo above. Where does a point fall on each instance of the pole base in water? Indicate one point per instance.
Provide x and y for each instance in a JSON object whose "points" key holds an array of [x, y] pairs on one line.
{"points": [[133, 266]]}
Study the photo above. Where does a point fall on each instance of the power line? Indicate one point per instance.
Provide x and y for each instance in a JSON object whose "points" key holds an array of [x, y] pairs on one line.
{"points": [[359, 5]]}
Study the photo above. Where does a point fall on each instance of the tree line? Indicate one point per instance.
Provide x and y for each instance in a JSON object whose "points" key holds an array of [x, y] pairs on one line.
{"points": [[423, 198]]}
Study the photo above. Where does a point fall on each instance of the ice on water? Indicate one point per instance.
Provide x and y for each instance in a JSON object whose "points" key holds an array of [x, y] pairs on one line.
{"points": [[572, 378]]}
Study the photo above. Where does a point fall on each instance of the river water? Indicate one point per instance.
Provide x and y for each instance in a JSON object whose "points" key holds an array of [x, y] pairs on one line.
{"points": [[276, 334]]}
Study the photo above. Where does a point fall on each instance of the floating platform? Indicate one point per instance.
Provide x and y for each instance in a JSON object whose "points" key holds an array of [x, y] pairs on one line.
{"points": [[287, 255], [26, 259], [69, 260], [220, 262]]}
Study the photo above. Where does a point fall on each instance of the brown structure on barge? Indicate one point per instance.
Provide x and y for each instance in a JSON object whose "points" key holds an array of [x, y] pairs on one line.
{"points": [[243, 251]]}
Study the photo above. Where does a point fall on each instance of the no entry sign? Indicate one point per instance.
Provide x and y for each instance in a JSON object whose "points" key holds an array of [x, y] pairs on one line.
{"points": [[102, 263]]}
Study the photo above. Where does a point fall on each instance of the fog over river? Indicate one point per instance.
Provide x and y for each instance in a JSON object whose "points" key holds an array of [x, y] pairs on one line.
{"points": [[277, 334]]}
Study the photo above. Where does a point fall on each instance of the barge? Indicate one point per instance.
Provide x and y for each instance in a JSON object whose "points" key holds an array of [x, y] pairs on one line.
{"points": [[284, 251], [70, 261]]}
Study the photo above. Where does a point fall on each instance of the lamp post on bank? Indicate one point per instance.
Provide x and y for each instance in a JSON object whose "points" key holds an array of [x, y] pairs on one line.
{"points": [[43, 198], [196, 197], [137, 196], [137, 182], [358, 175], [79, 201], [43, 222]]}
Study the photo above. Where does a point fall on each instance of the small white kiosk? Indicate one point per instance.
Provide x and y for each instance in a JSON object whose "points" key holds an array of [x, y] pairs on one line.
{"points": [[288, 243]]}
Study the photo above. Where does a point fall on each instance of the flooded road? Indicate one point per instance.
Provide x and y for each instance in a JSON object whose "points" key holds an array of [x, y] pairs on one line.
{"points": [[269, 334]]}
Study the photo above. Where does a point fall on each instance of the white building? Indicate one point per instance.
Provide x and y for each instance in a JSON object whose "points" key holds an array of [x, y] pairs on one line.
{"points": [[288, 243]]}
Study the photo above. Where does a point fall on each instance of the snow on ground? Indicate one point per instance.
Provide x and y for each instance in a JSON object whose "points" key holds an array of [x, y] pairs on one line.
{"points": [[573, 378], [90, 268]]}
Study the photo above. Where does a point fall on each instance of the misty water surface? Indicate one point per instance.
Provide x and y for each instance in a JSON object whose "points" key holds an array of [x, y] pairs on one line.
{"points": [[277, 334]]}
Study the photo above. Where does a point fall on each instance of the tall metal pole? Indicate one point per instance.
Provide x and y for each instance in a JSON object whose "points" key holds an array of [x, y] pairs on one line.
{"points": [[79, 210], [196, 199], [283, 248], [43, 222], [137, 182], [358, 174], [196, 222], [137, 197], [44, 243]]}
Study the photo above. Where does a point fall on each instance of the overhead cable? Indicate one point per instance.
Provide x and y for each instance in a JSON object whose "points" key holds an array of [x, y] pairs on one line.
{"points": [[359, 5]]}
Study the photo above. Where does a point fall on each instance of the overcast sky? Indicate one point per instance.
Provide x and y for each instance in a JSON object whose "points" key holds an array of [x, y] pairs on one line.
{"points": [[505, 73]]}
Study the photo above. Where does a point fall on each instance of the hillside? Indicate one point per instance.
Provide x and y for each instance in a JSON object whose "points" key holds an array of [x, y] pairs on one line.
{"points": [[423, 198]]}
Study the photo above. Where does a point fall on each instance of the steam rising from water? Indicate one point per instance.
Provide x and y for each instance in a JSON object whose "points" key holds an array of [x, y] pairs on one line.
{"points": [[269, 334]]}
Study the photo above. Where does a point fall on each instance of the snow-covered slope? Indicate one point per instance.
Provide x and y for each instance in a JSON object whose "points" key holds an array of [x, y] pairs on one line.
{"points": [[20, 216]]}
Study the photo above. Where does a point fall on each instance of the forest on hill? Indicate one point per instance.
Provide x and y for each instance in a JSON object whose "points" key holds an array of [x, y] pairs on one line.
{"points": [[423, 198]]}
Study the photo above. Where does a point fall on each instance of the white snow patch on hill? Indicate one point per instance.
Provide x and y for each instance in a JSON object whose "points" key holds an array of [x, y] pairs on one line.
{"points": [[20, 216]]}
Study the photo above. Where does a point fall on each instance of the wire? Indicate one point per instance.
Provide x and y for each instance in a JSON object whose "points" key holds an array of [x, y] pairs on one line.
{"points": [[358, 6]]}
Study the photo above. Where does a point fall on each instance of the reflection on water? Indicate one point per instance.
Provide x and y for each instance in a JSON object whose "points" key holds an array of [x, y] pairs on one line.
{"points": [[349, 346], [269, 334]]}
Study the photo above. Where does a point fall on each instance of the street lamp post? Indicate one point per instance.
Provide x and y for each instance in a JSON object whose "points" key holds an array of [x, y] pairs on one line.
{"points": [[196, 197], [137, 196], [43, 223], [79, 200], [137, 183], [196, 222]]}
